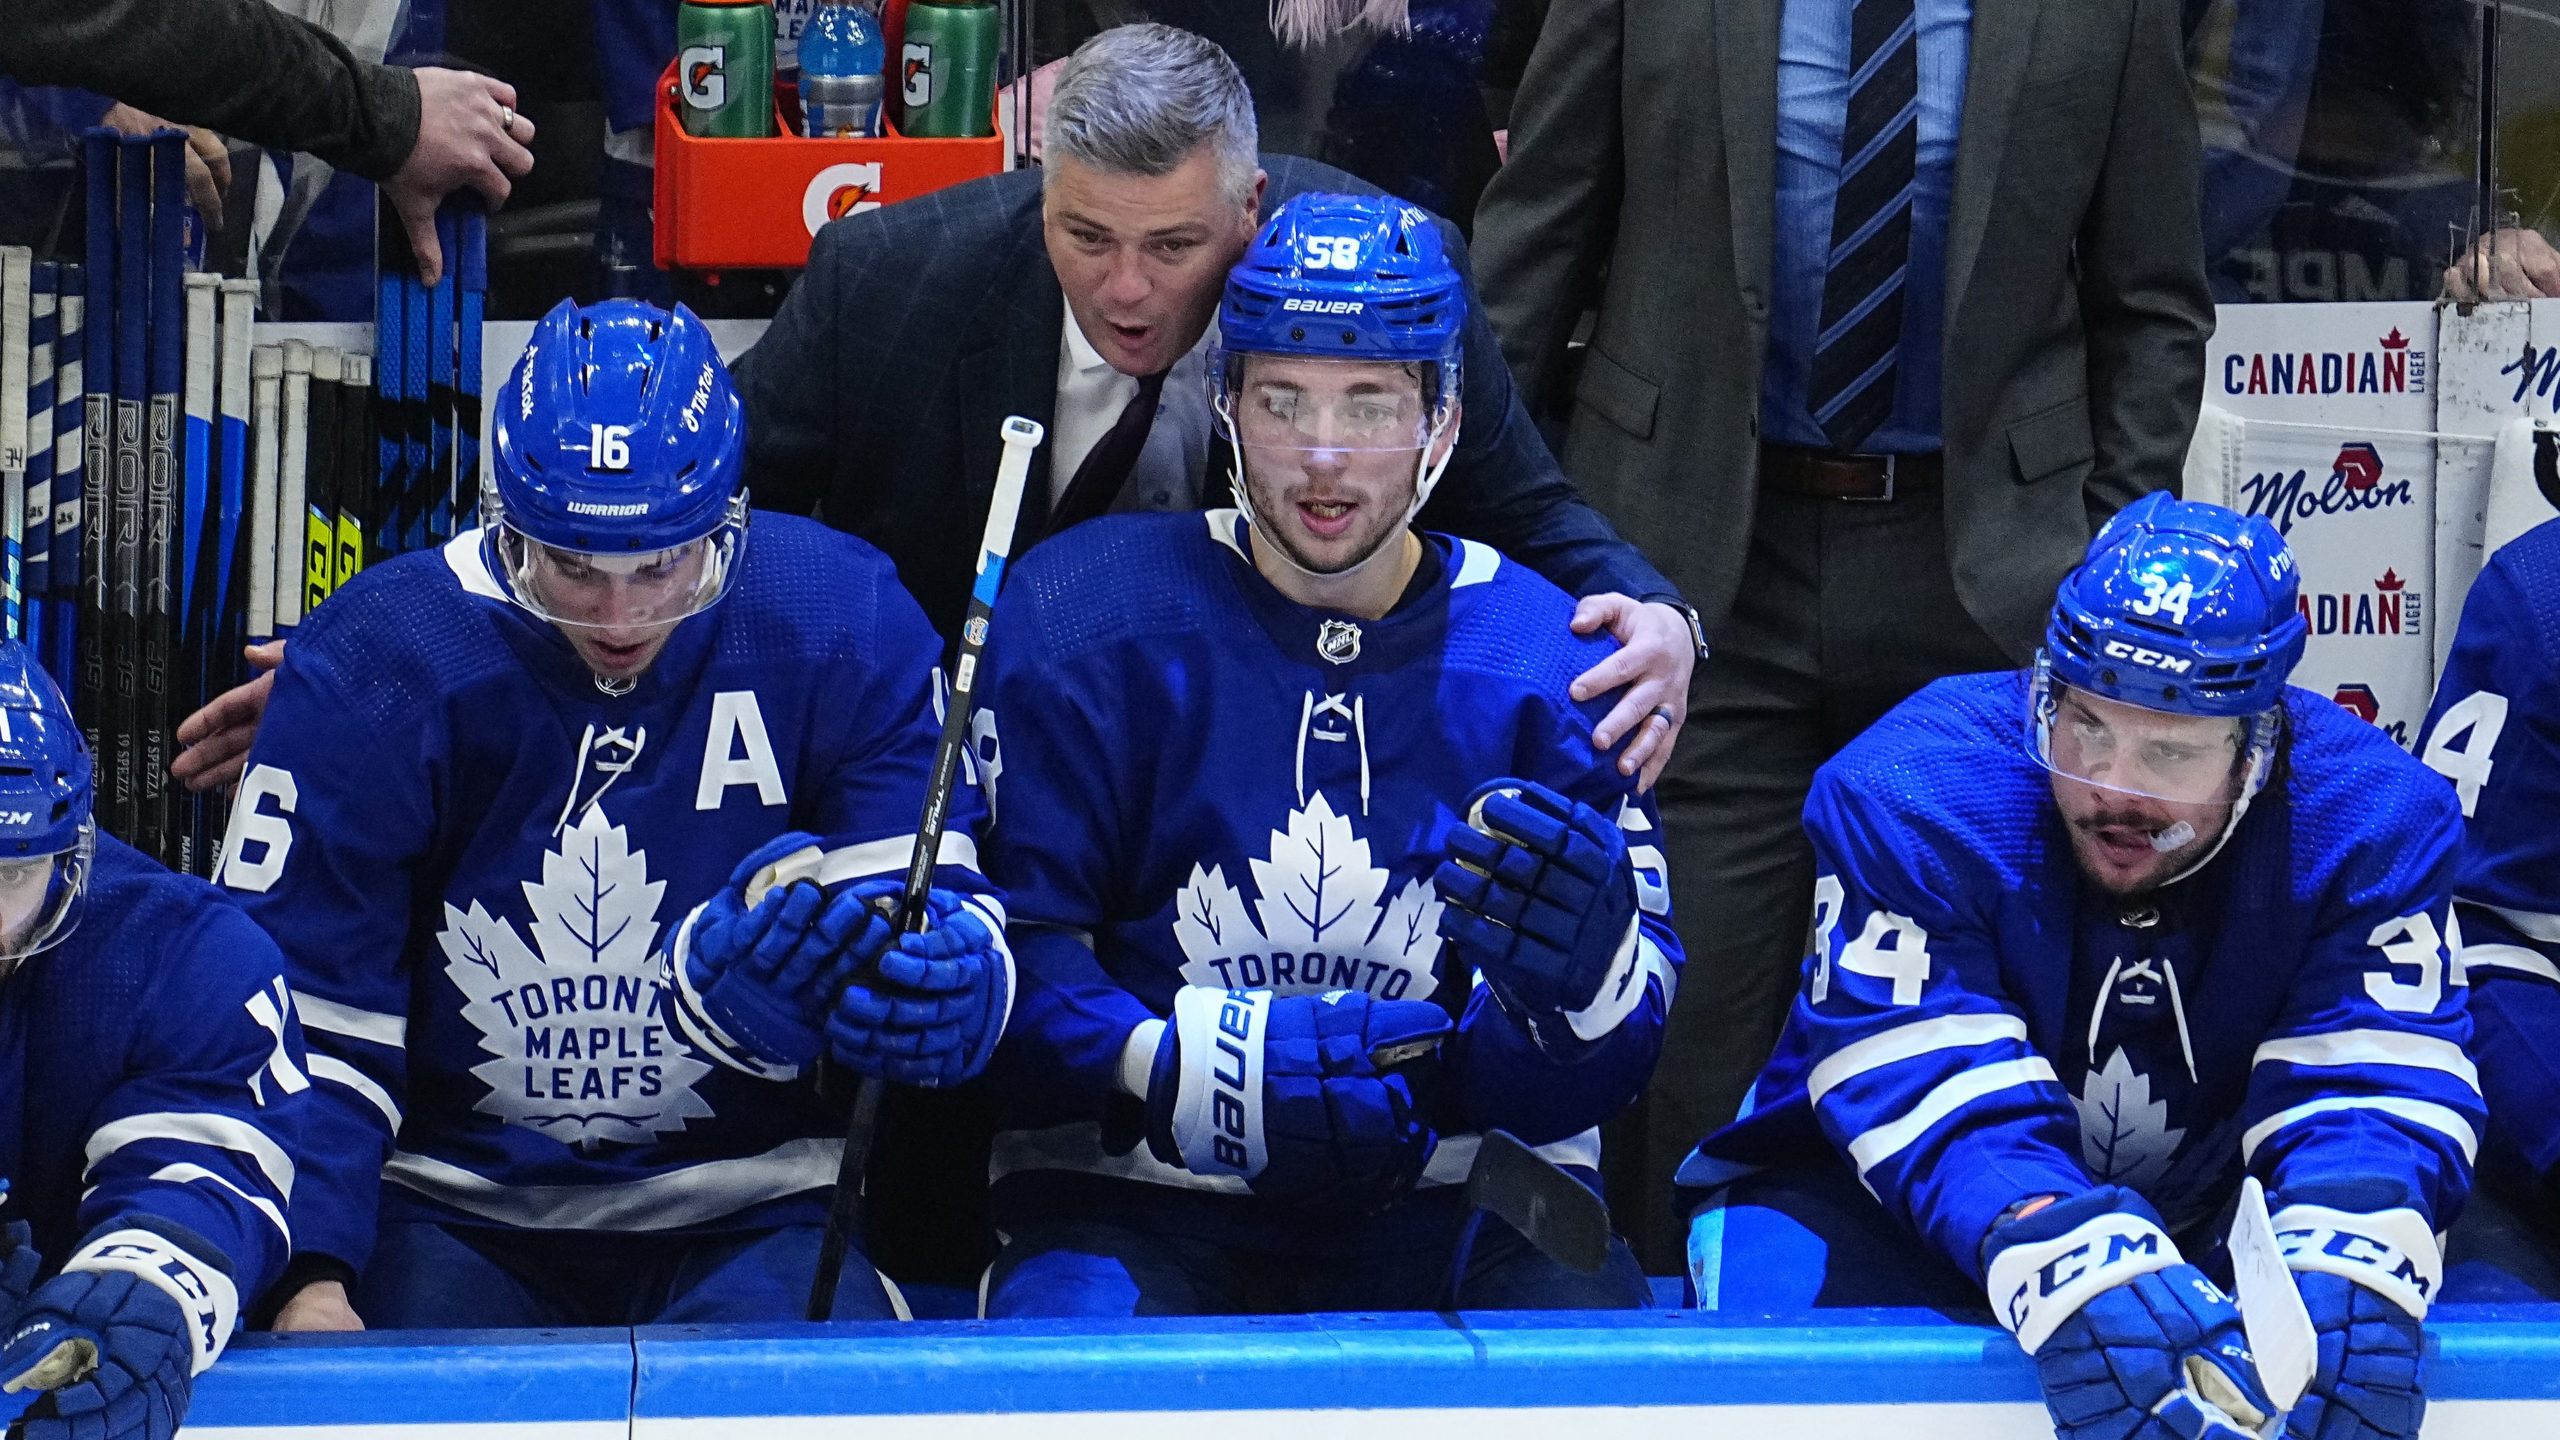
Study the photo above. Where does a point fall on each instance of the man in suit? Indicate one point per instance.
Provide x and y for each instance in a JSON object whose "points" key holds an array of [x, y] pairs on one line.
{"points": [[876, 395], [1897, 299]]}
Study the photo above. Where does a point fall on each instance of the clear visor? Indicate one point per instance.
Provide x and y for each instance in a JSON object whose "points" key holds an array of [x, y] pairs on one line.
{"points": [[1286, 403], [40, 896], [2114, 745], [621, 590]]}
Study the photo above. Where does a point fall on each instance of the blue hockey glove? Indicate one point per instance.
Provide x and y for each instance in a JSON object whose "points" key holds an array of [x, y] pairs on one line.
{"points": [[112, 1341], [1538, 894], [1285, 1091], [2130, 1341], [17, 1269], [938, 1005], [2366, 1278], [764, 974]]}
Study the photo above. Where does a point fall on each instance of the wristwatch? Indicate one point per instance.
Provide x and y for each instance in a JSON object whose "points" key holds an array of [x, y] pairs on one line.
{"points": [[1697, 627]]}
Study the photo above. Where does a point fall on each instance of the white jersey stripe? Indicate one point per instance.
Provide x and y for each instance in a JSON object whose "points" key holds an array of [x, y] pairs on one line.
{"points": [[2532, 924], [223, 1132], [2372, 1047], [671, 1200], [368, 1025], [1886, 1141], [331, 1068], [181, 1173], [1920, 1037], [2510, 957], [2417, 1112]]}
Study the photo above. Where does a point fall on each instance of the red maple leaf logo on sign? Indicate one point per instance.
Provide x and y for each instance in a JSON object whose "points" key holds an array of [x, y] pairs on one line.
{"points": [[2359, 465], [2395, 340], [2390, 580]]}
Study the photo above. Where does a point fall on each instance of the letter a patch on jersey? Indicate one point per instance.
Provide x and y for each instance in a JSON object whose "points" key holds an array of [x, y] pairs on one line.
{"points": [[578, 1027], [737, 723], [1321, 925]]}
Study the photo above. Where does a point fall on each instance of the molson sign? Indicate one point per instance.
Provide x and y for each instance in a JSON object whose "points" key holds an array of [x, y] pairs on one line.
{"points": [[2337, 455]]}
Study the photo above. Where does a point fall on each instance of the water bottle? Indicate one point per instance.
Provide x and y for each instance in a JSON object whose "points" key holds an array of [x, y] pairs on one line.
{"points": [[840, 60], [947, 68], [724, 67]]}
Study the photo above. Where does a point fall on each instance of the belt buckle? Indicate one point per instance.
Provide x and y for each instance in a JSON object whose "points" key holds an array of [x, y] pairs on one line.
{"points": [[1892, 462]]}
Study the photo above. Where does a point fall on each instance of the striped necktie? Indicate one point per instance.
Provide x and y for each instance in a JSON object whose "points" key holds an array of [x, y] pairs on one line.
{"points": [[1856, 356]]}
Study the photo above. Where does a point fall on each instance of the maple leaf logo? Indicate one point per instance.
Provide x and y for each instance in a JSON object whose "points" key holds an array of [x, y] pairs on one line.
{"points": [[1320, 924], [577, 1026], [2124, 1134]]}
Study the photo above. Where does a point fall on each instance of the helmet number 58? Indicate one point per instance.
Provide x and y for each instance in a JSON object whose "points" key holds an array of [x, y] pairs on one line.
{"points": [[608, 447], [1333, 252]]}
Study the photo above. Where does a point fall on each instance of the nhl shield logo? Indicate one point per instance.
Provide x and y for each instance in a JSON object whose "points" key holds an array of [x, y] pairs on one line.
{"points": [[1338, 642]]}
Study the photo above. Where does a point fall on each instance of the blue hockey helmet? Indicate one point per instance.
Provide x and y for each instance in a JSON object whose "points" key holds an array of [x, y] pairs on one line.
{"points": [[1351, 278], [46, 836], [619, 447], [2181, 609]]}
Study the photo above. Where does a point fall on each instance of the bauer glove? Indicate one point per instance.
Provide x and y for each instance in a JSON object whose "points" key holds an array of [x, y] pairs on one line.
{"points": [[765, 975]]}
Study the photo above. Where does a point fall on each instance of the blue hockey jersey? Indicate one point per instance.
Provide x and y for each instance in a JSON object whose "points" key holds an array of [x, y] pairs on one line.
{"points": [[1204, 783], [154, 1068], [479, 866], [2494, 731], [1977, 1024]]}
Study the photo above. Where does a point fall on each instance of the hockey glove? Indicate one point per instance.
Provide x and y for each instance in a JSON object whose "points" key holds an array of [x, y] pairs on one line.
{"points": [[2130, 1341], [1539, 896], [2366, 1279], [933, 1014], [765, 974], [120, 1335], [1285, 1091], [18, 1269]]}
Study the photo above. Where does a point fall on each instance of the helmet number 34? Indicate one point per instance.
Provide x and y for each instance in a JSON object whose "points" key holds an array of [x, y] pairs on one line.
{"points": [[608, 447], [2159, 595]]}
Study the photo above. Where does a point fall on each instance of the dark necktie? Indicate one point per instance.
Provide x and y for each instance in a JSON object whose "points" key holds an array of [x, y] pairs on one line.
{"points": [[1856, 355], [1106, 466]]}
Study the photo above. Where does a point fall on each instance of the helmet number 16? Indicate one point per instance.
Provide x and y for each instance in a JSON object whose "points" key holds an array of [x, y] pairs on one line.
{"points": [[608, 447], [1333, 252], [2158, 595]]}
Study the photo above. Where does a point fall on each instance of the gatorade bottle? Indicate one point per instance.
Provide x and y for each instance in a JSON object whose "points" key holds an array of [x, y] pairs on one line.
{"points": [[947, 69], [724, 67], [840, 59]]}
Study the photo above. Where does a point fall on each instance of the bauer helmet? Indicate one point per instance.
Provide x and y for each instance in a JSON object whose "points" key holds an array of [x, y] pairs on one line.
{"points": [[2179, 609], [1342, 277], [47, 838], [619, 446]]}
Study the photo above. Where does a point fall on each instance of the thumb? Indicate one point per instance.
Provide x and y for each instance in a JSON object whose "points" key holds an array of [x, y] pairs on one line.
{"points": [[420, 222], [1597, 612]]}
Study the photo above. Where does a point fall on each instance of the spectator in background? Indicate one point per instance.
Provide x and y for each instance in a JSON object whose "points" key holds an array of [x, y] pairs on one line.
{"points": [[1897, 300], [244, 68]]}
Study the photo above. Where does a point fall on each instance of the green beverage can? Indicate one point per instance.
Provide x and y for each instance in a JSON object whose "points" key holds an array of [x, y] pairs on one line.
{"points": [[724, 68], [947, 70]]}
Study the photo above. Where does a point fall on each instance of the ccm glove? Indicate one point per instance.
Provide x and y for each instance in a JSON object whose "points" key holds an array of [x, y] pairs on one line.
{"points": [[765, 974], [1539, 895], [934, 1011], [1285, 1092], [2130, 1341], [120, 1335], [17, 1269], [2366, 1279]]}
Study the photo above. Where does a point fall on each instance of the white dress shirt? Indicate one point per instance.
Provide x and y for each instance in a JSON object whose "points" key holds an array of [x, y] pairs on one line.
{"points": [[1091, 396]]}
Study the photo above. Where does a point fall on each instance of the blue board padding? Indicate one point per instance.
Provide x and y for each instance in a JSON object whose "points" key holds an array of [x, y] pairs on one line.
{"points": [[417, 1376]]}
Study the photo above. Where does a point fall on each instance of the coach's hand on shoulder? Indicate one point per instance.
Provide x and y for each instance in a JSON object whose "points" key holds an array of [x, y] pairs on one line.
{"points": [[217, 738], [2130, 1341], [1321, 1113], [765, 972], [320, 1305], [1539, 895], [932, 1009], [1656, 654]]}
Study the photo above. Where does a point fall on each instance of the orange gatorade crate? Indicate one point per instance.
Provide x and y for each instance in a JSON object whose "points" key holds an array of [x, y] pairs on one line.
{"points": [[756, 204]]}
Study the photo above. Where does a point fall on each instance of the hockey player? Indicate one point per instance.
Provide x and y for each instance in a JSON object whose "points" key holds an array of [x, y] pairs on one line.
{"points": [[1273, 981], [156, 1096], [501, 816], [2089, 942], [2491, 733]]}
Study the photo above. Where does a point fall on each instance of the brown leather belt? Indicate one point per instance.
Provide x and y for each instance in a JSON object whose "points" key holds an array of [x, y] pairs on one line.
{"points": [[1840, 475]]}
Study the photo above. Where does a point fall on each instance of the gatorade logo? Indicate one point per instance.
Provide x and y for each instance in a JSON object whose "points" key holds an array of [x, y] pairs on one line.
{"points": [[838, 191], [915, 73], [706, 78]]}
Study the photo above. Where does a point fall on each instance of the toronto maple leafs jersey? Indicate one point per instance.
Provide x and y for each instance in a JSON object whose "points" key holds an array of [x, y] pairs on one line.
{"points": [[478, 865], [1977, 1025], [1204, 783], [2494, 731], [154, 1069]]}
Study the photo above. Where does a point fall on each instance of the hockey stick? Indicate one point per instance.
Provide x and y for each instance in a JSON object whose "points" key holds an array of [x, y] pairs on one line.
{"points": [[239, 305], [438, 491], [319, 571], [472, 277], [2281, 1336], [101, 156], [125, 517], [356, 458], [17, 274], [36, 526], [198, 591], [167, 312], [62, 645], [293, 456], [258, 542], [1552, 1211], [390, 412], [844, 1210]]}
